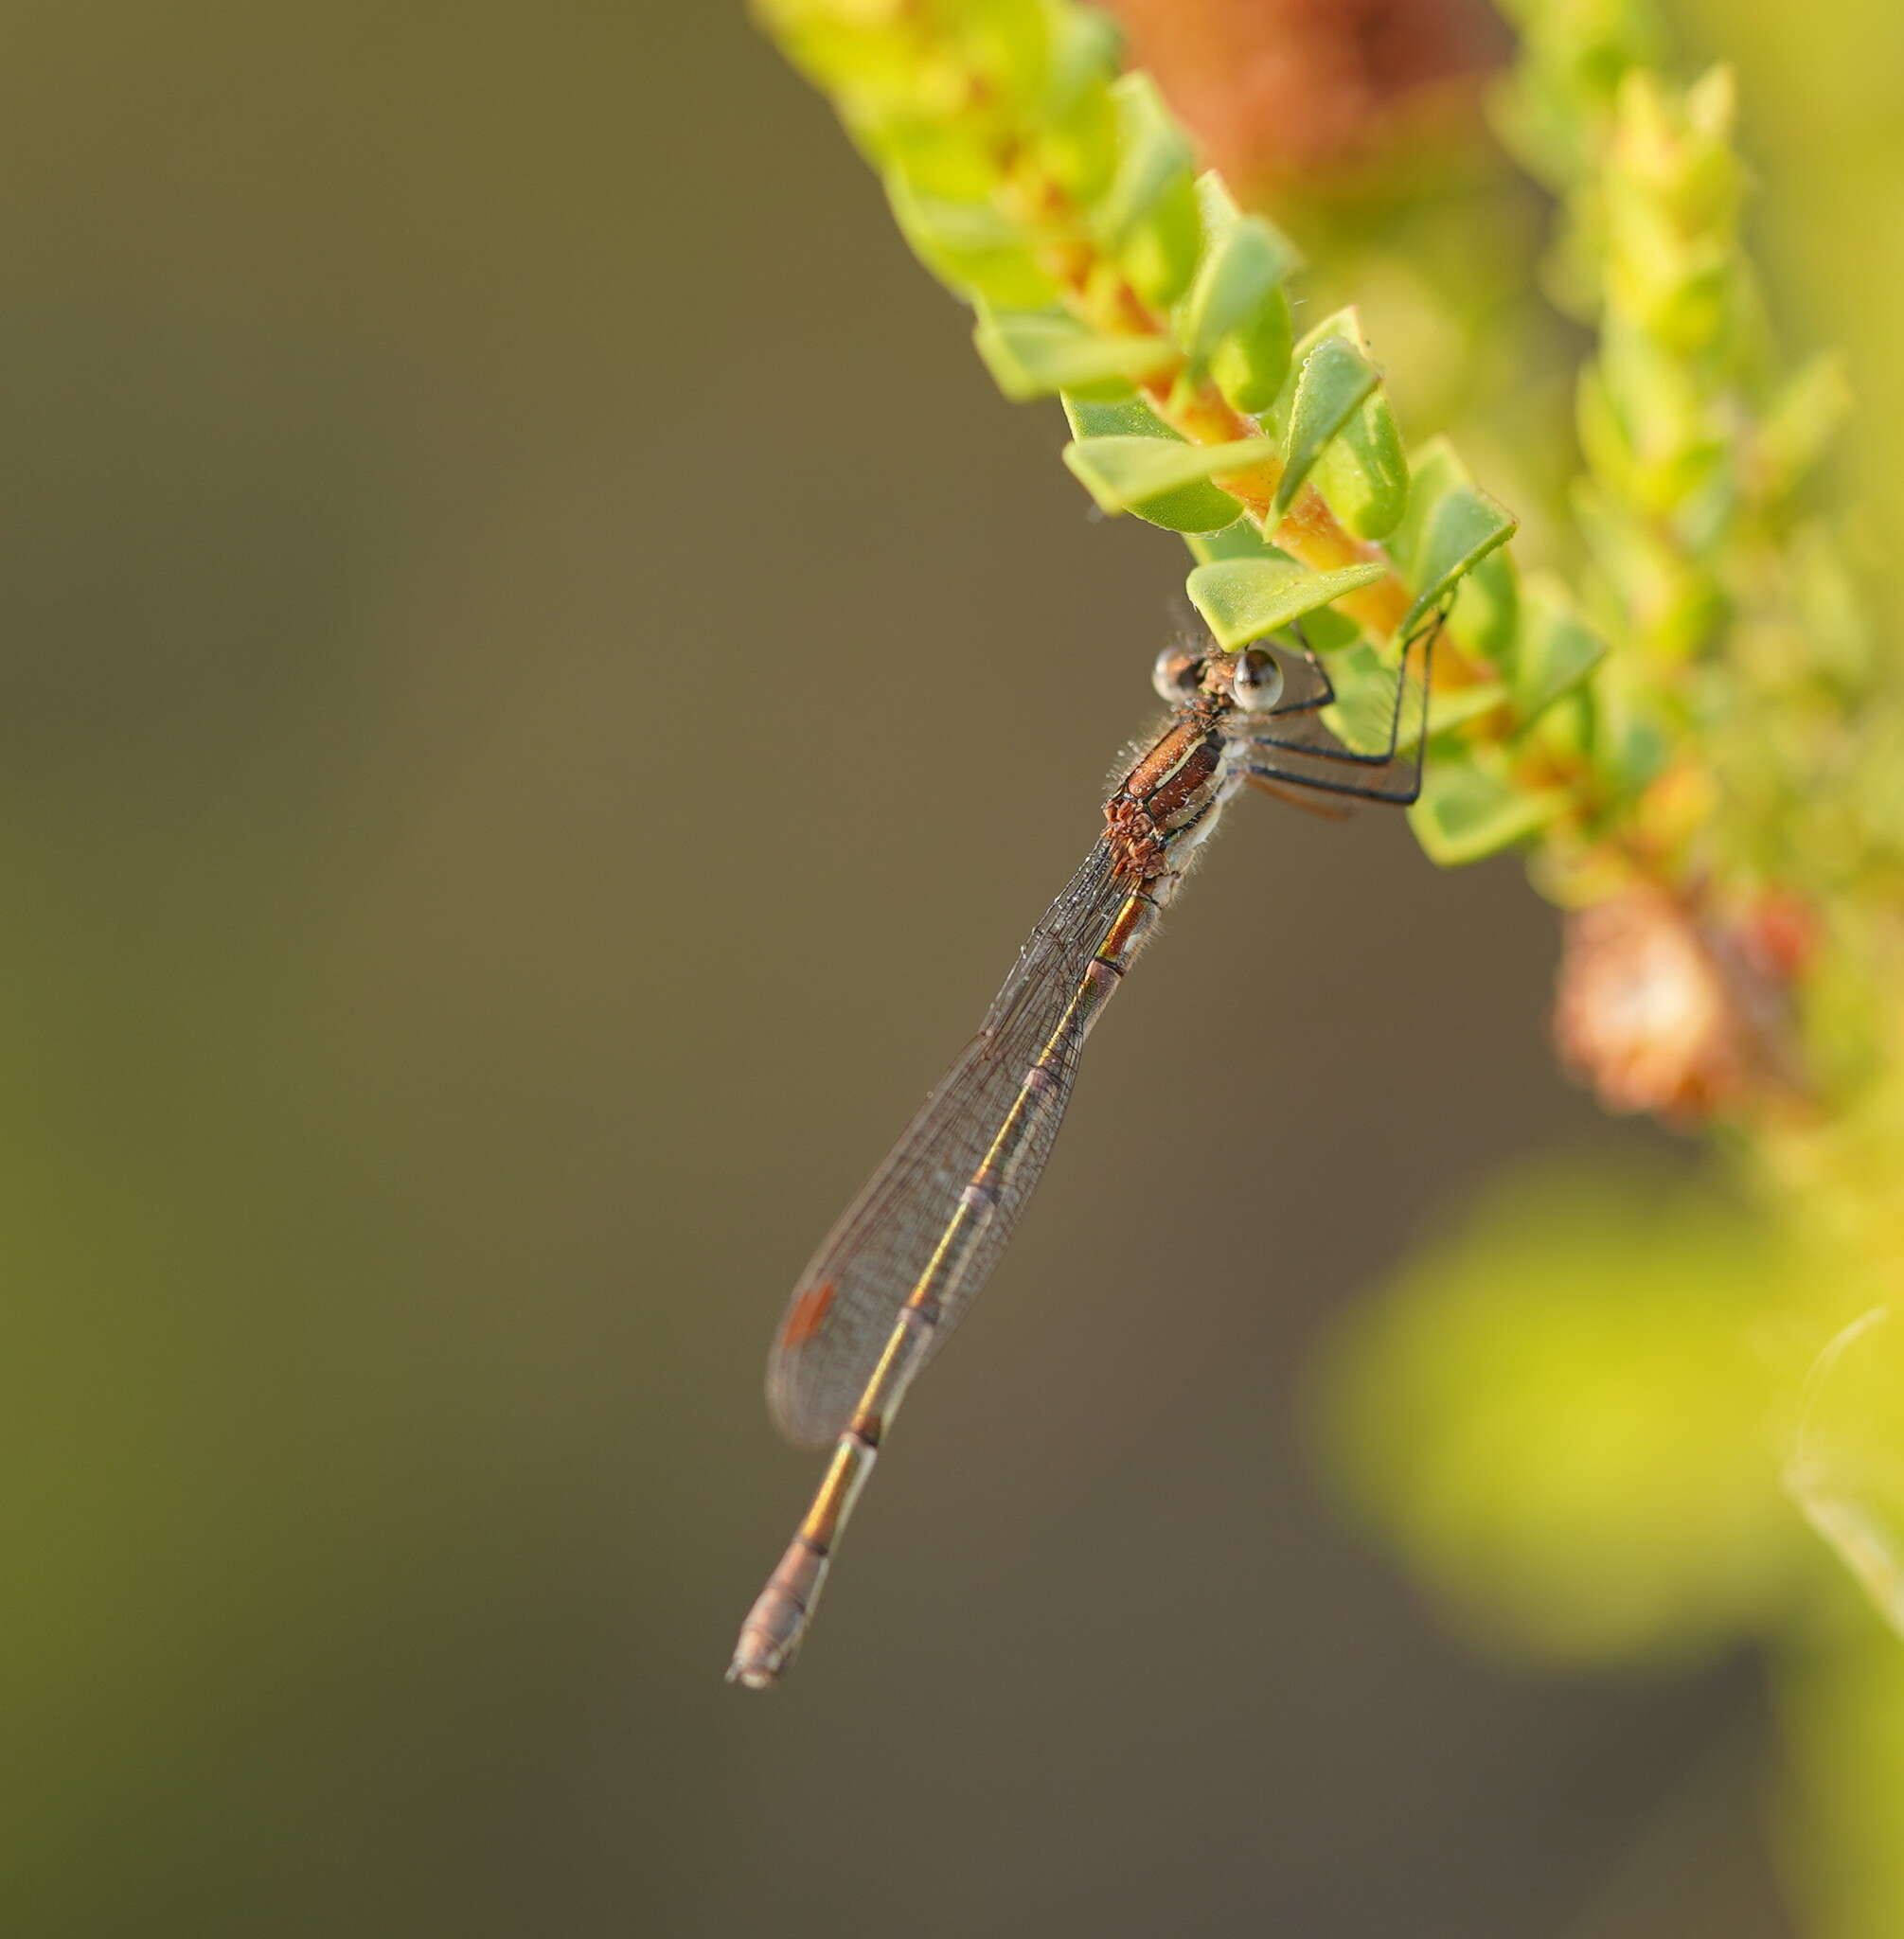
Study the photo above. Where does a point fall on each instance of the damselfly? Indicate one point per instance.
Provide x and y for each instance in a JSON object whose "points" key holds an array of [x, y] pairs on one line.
{"points": [[903, 1264]]}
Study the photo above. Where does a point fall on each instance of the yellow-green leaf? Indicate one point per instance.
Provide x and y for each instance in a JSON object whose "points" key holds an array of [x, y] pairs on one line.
{"points": [[1468, 811], [1486, 616], [1036, 354], [1244, 599], [1241, 541], [971, 247], [1236, 320], [1149, 219], [1463, 526], [1555, 650], [1331, 381], [1165, 482], [1362, 472]]}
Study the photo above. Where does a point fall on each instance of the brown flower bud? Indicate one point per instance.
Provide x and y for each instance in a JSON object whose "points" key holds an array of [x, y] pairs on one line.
{"points": [[1280, 88], [1659, 1010]]}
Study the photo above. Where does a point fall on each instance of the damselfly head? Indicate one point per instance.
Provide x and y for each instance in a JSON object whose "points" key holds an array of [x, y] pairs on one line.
{"points": [[1178, 675], [1257, 681]]}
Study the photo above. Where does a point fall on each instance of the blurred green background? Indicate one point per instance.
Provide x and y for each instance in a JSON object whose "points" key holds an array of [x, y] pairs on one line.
{"points": [[494, 843]]}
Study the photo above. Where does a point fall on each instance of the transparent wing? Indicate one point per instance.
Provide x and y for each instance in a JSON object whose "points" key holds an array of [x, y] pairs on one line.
{"points": [[847, 1300]]}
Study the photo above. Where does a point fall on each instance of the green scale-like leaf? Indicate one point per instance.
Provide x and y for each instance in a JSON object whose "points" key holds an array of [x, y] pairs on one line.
{"points": [[1150, 476], [1554, 651], [1149, 219], [1038, 353], [1456, 706], [1339, 433], [1234, 321], [1078, 133], [1245, 599], [971, 246], [1362, 472], [1448, 527], [1486, 613], [1364, 714], [1325, 629], [1463, 528], [1124, 417], [1241, 541], [1469, 810], [1332, 380], [1106, 459]]}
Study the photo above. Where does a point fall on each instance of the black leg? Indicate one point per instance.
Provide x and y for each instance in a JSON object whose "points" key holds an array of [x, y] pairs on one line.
{"points": [[1361, 791], [1364, 791]]}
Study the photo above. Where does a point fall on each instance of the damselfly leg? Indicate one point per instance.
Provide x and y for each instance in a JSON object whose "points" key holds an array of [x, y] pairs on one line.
{"points": [[1268, 772]]}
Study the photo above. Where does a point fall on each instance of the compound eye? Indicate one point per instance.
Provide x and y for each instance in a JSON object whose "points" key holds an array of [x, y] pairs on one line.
{"points": [[1178, 675], [1257, 681]]}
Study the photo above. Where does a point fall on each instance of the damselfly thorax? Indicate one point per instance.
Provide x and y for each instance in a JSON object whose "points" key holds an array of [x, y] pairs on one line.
{"points": [[908, 1256]]}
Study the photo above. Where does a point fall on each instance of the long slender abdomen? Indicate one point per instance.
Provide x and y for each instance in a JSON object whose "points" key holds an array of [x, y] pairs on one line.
{"points": [[775, 1624]]}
